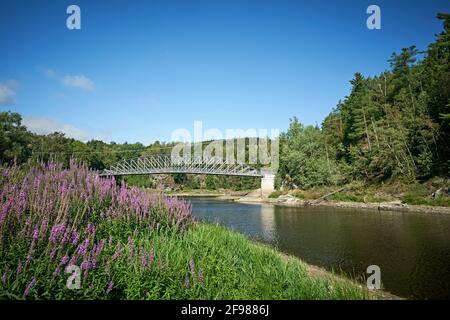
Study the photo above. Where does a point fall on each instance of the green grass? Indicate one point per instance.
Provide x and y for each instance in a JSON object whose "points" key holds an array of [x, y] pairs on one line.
{"points": [[419, 195], [231, 267], [225, 265]]}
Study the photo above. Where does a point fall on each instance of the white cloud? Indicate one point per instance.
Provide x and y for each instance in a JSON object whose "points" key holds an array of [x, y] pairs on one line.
{"points": [[42, 125], [8, 92], [80, 82], [50, 73], [71, 81]]}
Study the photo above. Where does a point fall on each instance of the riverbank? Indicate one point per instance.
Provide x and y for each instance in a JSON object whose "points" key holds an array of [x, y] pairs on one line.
{"points": [[289, 199], [244, 269], [397, 205], [319, 273]]}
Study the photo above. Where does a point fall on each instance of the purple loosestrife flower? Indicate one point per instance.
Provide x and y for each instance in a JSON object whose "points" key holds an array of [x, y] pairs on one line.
{"points": [[22, 203], [200, 276], [131, 246], [56, 231], [64, 260], [192, 266], [27, 262], [152, 257], [75, 238], [110, 287], [36, 233], [66, 237], [5, 210], [53, 253], [43, 229], [82, 250], [90, 229], [98, 248], [29, 287], [143, 255], [19, 267], [86, 265], [56, 272], [73, 260], [25, 228]]}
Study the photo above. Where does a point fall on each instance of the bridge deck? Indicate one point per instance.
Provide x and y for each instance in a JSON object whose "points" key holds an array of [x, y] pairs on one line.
{"points": [[165, 165]]}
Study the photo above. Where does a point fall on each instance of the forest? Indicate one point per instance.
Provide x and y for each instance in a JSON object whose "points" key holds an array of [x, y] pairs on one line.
{"points": [[391, 128], [394, 126]]}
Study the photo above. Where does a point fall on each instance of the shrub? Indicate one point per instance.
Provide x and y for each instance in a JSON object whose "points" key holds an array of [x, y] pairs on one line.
{"points": [[275, 194]]}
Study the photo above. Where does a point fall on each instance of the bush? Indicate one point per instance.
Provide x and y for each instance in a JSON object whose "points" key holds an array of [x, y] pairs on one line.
{"points": [[275, 194]]}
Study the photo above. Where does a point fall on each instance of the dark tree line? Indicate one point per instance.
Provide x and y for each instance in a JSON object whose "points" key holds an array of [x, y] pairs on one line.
{"points": [[18, 145]]}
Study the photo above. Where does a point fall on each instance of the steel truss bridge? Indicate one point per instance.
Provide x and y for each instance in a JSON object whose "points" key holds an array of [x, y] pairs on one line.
{"points": [[163, 164]]}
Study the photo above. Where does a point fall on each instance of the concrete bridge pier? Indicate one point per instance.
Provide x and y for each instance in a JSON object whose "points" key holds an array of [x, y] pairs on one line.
{"points": [[267, 184]]}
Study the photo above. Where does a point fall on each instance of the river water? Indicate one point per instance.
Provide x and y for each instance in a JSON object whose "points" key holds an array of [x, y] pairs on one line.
{"points": [[411, 249]]}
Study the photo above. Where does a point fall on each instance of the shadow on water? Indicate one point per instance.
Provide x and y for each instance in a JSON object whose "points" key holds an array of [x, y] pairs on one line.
{"points": [[412, 249]]}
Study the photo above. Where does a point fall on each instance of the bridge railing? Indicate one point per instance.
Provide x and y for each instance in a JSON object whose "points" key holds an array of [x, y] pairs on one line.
{"points": [[164, 164]]}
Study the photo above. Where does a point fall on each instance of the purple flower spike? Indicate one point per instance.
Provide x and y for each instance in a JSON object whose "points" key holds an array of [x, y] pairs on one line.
{"points": [[192, 266], [29, 287], [64, 259], [36, 233], [110, 287], [19, 267]]}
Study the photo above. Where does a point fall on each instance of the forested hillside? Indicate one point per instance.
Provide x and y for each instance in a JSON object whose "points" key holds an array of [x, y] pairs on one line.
{"points": [[392, 126]]}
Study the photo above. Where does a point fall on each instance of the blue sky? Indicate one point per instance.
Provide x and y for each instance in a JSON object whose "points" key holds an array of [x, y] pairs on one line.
{"points": [[138, 70]]}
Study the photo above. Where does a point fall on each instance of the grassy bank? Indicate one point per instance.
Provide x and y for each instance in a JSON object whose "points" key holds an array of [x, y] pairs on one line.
{"points": [[234, 268], [431, 193], [132, 245]]}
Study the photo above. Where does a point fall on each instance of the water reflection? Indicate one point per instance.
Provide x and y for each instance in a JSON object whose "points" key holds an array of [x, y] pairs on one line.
{"points": [[267, 217], [412, 250]]}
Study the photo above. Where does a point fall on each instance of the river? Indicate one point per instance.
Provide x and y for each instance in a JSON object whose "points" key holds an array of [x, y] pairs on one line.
{"points": [[411, 249]]}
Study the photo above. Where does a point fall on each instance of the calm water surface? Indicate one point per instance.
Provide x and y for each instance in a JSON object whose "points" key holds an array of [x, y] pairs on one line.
{"points": [[412, 250]]}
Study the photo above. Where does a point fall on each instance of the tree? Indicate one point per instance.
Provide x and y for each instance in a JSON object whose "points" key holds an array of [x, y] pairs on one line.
{"points": [[15, 140], [305, 157]]}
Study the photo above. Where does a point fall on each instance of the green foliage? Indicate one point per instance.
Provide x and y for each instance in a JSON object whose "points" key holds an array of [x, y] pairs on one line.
{"points": [[305, 157], [15, 140], [390, 127], [419, 194], [142, 181], [210, 183], [275, 194]]}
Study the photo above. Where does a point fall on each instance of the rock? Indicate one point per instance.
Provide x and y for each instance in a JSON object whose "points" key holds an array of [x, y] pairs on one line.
{"points": [[392, 205], [287, 198], [440, 191], [396, 203]]}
